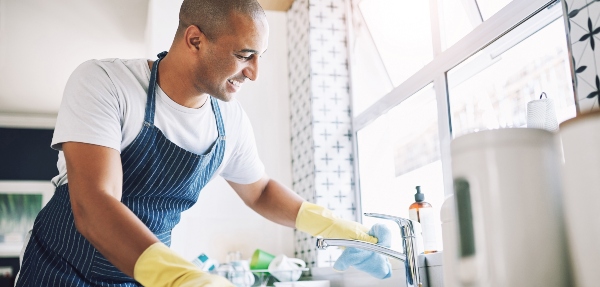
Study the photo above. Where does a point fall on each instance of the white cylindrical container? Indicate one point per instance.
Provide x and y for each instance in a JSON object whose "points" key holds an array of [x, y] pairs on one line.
{"points": [[509, 217], [449, 238], [581, 191]]}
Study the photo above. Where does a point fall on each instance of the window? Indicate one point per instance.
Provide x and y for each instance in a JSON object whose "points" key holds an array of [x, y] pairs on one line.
{"points": [[491, 89], [488, 8], [401, 31], [488, 59], [399, 151], [459, 17], [398, 33]]}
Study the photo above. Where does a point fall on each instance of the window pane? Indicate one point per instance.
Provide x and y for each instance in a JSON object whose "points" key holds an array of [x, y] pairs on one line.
{"points": [[401, 31], [491, 89], [458, 18], [489, 7], [397, 152], [370, 80]]}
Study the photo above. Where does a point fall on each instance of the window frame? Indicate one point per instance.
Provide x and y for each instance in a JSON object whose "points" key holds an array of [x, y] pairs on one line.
{"points": [[504, 21]]}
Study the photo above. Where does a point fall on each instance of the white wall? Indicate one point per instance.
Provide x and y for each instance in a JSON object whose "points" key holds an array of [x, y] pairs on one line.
{"points": [[220, 222], [162, 21], [42, 42]]}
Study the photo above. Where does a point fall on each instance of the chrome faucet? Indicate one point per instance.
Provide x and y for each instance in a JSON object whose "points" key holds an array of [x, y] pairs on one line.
{"points": [[409, 246]]}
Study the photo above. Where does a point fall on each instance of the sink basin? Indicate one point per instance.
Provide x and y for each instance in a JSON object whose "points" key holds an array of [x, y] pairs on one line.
{"points": [[355, 278], [430, 269], [316, 283]]}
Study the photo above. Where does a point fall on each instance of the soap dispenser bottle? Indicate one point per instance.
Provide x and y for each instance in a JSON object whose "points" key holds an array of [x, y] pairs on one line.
{"points": [[422, 212]]}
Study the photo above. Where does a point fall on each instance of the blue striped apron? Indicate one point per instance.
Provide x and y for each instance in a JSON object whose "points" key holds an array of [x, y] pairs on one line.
{"points": [[160, 180]]}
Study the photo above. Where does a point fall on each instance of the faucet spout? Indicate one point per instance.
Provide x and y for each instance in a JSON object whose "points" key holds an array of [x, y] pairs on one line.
{"points": [[323, 243], [409, 246]]}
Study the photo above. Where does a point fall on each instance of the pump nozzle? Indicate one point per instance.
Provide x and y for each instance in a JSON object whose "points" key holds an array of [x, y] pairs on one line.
{"points": [[419, 197]]}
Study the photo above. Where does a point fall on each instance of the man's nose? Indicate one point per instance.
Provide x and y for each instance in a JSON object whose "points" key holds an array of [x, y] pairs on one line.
{"points": [[251, 71]]}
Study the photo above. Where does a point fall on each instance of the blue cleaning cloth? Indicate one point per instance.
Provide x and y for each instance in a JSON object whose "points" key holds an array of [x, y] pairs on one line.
{"points": [[377, 265]]}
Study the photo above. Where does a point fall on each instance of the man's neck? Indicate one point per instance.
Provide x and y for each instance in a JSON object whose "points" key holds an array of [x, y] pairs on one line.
{"points": [[176, 85]]}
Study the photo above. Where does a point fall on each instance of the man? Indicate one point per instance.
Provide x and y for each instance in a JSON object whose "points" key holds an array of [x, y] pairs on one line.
{"points": [[140, 139]]}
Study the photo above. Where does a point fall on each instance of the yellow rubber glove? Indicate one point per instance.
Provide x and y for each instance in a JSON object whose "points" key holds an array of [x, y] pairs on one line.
{"points": [[320, 221], [159, 266]]}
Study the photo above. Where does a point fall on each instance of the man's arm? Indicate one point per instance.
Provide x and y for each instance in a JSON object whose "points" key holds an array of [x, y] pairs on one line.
{"points": [[270, 199], [95, 188], [281, 205]]}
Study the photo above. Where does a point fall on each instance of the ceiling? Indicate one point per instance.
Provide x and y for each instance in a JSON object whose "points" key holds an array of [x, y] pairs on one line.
{"points": [[42, 42]]}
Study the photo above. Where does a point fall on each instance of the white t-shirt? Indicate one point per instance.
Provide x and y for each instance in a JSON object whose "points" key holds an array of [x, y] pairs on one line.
{"points": [[104, 104]]}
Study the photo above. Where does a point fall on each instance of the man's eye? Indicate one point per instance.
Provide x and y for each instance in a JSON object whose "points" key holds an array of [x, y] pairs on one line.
{"points": [[244, 58]]}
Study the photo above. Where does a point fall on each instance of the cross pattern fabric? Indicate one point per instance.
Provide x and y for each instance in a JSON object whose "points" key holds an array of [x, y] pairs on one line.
{"points": [[321, 115]]}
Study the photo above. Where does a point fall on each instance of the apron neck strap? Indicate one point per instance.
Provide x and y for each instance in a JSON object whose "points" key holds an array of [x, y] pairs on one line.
{"points": [[151, 97]]}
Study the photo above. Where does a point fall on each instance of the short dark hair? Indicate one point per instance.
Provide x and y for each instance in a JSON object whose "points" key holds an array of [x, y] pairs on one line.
{"points": [[211, 16]]}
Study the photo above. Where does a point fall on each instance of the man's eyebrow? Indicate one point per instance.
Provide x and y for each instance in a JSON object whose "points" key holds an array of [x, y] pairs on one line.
{"points": [[251, 51]]}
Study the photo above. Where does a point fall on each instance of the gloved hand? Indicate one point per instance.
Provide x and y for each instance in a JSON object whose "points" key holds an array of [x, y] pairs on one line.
{"points": [[320, 221], [159, 266]]}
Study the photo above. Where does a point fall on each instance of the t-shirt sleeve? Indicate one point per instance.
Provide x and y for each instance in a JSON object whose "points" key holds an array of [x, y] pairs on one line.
{"points": [[244, 166], [89, 111]]}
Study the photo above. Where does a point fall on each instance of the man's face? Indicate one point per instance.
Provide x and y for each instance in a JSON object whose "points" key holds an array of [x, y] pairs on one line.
{"points": [[232, 57]]}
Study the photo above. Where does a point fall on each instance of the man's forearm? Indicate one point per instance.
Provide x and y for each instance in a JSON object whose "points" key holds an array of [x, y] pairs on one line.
{"points": [[95, 188], [278, 204], [113, 229]]}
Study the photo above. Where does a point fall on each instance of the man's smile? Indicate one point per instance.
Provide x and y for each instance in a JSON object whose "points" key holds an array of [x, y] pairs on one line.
{"points": [[236, 83]]}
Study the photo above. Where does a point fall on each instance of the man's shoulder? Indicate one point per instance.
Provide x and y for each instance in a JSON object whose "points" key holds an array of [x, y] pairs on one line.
{"points": [[112, 72], [114, 64], [111, 65]]}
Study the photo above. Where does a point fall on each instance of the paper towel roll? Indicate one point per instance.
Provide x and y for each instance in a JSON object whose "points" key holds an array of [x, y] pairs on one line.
{"points": [[581, 194], [541, 115], [513, 188]]}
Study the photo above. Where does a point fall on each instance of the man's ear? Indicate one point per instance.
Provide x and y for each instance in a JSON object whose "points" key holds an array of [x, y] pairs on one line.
{"points": [[195, 42], [194, 37]]}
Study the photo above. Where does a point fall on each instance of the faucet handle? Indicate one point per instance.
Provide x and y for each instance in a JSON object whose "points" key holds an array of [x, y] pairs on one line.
{"points": [[407, 226]]}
